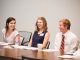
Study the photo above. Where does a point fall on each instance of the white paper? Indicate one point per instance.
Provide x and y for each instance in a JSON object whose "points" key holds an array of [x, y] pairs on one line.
{"points": [[66, 56], [31, 48], [3, 43], [17, 46], [68, 53], [48, 50], [24, 47], [77, 53]]}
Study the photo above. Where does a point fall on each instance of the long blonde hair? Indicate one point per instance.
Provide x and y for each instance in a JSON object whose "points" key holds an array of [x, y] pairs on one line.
{"points": [[44, 24]]}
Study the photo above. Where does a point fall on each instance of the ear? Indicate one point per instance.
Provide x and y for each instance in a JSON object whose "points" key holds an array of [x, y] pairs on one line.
{"points": [[7, 24], [66, 26]]}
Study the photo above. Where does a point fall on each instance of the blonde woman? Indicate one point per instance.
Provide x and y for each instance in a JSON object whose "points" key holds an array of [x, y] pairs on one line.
{"points": [[41, 35]]}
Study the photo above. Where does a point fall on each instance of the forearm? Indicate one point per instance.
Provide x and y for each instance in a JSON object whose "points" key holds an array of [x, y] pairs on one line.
{"points": [[29, 44], [75, 45]]}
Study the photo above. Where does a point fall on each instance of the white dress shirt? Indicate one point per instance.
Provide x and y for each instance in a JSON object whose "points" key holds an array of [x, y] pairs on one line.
{"points": [[9, 39], [71, 41]]}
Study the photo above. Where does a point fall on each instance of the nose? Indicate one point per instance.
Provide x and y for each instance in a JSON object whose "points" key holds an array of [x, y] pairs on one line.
{"points": [[13, 24]]}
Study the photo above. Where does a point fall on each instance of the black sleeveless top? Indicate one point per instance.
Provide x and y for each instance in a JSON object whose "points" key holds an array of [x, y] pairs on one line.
{"points": [[38, 38]]}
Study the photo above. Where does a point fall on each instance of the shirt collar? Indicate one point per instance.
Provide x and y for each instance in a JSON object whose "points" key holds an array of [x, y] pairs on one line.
{"points": [[65, 34]]}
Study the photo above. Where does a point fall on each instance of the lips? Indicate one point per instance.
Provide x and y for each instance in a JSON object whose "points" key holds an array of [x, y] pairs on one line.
{"points": [[12, 27]]}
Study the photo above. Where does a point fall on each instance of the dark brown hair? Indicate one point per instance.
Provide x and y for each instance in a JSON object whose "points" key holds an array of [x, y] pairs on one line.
{"points": [[44, 24], [8, 21]]}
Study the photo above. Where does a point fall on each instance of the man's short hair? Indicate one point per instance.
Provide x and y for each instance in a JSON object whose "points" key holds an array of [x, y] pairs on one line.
{"points": [[66, 22]]}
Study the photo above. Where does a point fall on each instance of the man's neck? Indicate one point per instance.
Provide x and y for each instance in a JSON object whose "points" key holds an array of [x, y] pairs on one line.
{"points": [[65, 32]]}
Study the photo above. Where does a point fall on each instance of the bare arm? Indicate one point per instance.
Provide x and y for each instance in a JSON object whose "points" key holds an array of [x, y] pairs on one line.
{"points": [[30, 43], [46, 39], [17, 38]]}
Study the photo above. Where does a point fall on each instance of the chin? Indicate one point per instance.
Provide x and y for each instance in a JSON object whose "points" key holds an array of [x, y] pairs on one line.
{"points": [[39, 27], [12, 29], [61, 30]]}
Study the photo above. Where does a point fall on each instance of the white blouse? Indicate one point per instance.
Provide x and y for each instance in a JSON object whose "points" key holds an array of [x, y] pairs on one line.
{"points": [[9, 39]]}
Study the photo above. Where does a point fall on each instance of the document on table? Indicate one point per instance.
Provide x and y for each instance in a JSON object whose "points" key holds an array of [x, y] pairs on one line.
{"points": [[77, 53], [17, 46], [48, 50], [66, 56], [3, 43], [24, 47], [31, 48]]}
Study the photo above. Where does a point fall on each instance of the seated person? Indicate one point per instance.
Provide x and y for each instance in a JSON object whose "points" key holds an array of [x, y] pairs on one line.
{"points": [[41, 35], [77, 53], [9, 32], [70, 44]]}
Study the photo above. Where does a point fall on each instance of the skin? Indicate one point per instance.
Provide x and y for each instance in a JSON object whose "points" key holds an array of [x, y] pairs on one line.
{"points": [[46, 38], [12, 26], [62, 28]]}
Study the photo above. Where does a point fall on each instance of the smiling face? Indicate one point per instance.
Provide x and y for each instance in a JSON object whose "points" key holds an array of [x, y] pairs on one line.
{"points": [[40, 24], [62, 27], [11, 25]]}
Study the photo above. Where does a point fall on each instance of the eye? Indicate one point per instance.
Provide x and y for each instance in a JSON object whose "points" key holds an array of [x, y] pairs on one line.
{"points": [[14, 22], [11, 23]]}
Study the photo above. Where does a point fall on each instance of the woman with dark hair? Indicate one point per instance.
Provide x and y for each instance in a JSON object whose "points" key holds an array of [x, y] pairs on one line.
{"points": [[41, 35], [10, 33]]}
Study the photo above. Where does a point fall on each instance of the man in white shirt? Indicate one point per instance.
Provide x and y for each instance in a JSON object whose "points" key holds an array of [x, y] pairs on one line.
{"points": [[70, 40]]}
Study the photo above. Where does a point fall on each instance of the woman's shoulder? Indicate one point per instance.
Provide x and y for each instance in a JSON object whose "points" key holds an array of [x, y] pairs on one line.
{"points": [[35, 32], [15, 31], [47, 33]]}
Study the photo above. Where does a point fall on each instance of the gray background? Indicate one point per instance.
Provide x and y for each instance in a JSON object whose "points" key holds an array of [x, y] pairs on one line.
{"points": [[26, 12]]}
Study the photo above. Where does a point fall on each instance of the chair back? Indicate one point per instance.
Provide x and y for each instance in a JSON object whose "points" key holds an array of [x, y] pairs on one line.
{"points": [[47, 46], [26, 37]]}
